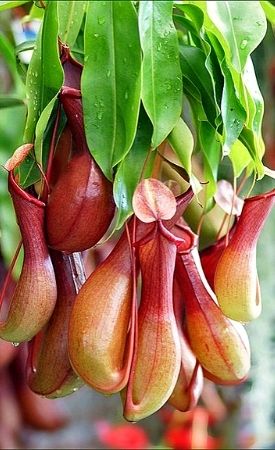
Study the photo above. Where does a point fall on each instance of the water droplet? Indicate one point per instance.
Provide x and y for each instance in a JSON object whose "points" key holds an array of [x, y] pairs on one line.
{"points": [[96, 35], [243, 44], [15, 344], [99, 115], [126, 95], [75, 389], [36, 74], [130, 45], [166, 33], [125, 60], [34, 369], [101, 20], [58, 392], [159, 46], [76, 116], [108, 73]]}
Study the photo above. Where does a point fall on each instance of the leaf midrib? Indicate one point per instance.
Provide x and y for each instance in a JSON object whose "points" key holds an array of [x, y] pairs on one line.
{"points": [[114, 85]]}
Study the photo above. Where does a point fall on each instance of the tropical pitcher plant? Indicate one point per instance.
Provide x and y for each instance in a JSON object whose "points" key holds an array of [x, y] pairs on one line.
{"points": [[143, 134]]}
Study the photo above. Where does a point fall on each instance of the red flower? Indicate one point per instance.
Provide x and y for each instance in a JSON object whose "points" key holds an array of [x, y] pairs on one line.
{"points": [[126, 436]]}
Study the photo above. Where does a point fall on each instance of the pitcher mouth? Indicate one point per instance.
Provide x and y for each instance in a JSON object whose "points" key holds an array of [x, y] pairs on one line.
{"points": [[14, 187]]}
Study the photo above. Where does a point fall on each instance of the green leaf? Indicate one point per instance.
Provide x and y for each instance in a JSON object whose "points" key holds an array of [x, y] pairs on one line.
{"points": [[7, 102], [7, 52], [247, 137], [232, 112], [29, 172], [36, 13], [70, 17], [40, 129], [240, 157], [161, 75], [194, 13], [182, 142], [111, 82], [45, 74], [24, 46], [255, 104], [269, 10], [137, 164], [10, 4], [210, 147], [193, 67], [242, 24]]}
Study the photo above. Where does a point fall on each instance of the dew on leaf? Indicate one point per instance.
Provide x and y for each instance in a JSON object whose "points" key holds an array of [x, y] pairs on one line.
{"points": [[243, 44]]}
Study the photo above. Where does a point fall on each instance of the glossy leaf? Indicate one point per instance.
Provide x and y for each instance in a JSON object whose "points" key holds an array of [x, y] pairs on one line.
{"points": [[45, 76], [111, 81], [193, 67], [243, 26], [182, 142], [232, 111], [255, 104], [70, 17], [8, 4], [8, 102], [161, 75], [269, 10], [239, 157], [7, 52], [210, 147], [137, 163]]}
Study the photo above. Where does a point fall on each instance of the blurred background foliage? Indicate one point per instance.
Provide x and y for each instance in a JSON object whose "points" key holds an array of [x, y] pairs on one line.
{"points": [[239, 417]]}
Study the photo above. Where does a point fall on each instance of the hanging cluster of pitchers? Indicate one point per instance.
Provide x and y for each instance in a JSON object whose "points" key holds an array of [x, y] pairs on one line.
{"points": [[156, 316]]}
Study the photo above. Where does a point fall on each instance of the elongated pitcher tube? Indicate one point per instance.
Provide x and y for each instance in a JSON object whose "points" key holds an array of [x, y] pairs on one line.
{"points": [[236, 282], [35, 295]]}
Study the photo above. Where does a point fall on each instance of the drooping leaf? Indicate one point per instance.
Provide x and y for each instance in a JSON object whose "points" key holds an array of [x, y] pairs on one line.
{"points": [[194, 13], [242, 24], [11, 4], [269, 10], [111, 80], [7, 52], [255, 104], [70, 17], [232, 111], [7, 102], [137, 163], [40, 129], [193, 67], [45, 75], [182, 142], [210, 147], [24, 46], [162, 81], [240, 157]]}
